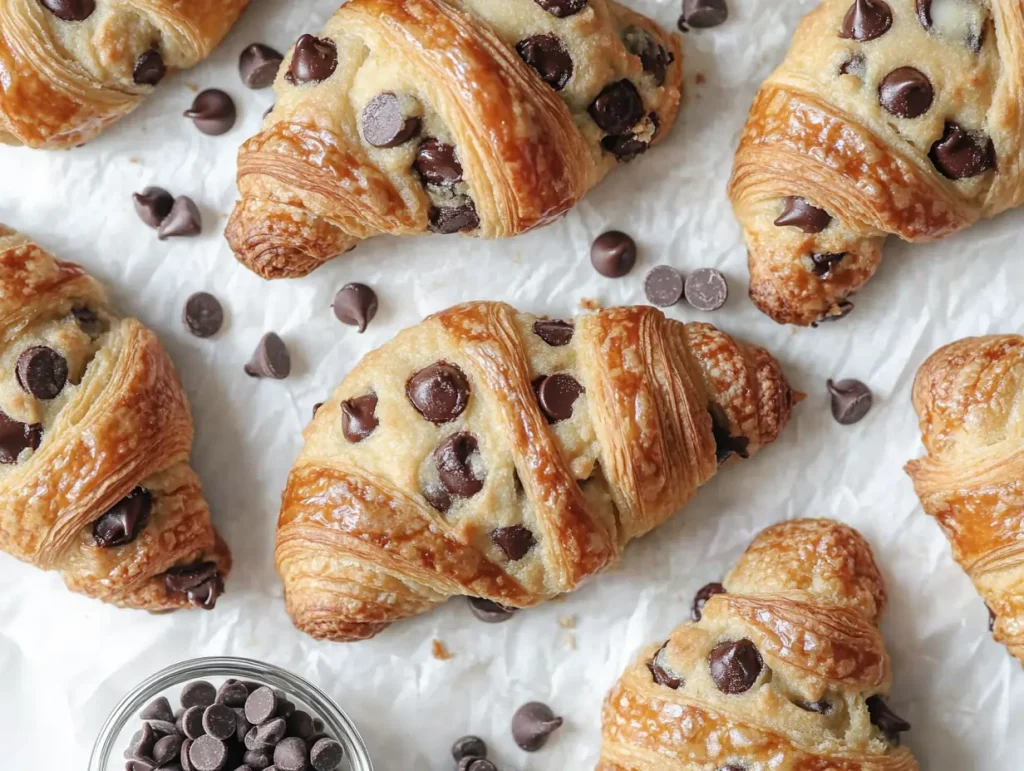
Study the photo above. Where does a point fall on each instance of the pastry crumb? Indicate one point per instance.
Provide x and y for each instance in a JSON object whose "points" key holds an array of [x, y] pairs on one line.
{"points": [[193, 87], [441, 652], [700, 80], [134, 159], [567, 622], [570, 642], [590, 303]]}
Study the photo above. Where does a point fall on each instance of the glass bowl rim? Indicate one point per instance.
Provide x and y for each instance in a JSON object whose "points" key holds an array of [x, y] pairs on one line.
{"points": [[229, 666]]}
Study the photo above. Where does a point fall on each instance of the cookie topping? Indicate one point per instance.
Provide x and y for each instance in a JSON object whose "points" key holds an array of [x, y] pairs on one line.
{"points": [[385, 123], [661, 673], [438, 163], [514, 541], [801, 213], [70, 10], [557, 395], [866, 20], [124, 521], [735, 666], [315, 59], [149, 68], [456, 468], [41, 372], [445, 220], [906, 93], [701, 598], [16, 437], [962, 154], [562, 8], [547, 55], [439, 392], [358, 417], [554, 332], [617, 108]]}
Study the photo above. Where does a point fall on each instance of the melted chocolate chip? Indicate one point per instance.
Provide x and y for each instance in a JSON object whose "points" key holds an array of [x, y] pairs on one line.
{"points": [[438, 163], [822, 263], [315, 59], [124, 521], [801, 213], [490, 612], [70, 10], [201, 582], [41, 372], [88, 321], [385, 123], [661, 674], [735, 666], [866, 20], [726, 445], [533, 724], [515, 541], [438, 497], [554, 332], [16, 437], [547, 55], [654, 57], [439, 392], [557, 395], [149, 68], [453, 458], [358, 417], [445, 220], [617, 108], [906, 93], [701, 598], [887, 721], [822, 706], [961, 154], [562, 8]]}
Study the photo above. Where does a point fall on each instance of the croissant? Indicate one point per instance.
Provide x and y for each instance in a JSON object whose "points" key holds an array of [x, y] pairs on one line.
{"points": [[783, 668], [497, 455], [482, 117], [70, 68], [967, 397], [95, 435], [898, 118]]}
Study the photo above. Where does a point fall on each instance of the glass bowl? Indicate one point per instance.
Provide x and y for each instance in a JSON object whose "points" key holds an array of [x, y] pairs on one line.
{"points": [[116, 734]]}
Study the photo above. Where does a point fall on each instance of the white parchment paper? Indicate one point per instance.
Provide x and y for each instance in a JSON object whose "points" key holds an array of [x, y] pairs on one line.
{"points": [[66, 660]]}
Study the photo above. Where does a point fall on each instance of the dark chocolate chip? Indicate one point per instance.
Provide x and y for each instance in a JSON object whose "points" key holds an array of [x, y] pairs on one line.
{"points": [[166, 749], [851, 401], [192, 722], [140, 764], [300, 723], [203, 315], [385, 124], [701, 598], [476, 764], [822, 706], [258, 65], [183, 220], [866, 20], [469, 747], [533, 724], [208, 754], [358, 418], [88, 321], [515, 541], [613, 254], [726, 445], [961, 154], [702, 14], [438, 497], [271, 732], [625, 147], [490, 612], [16, 437], [291, 754], [617, 108], [887, 721], [149, 68], [439, 392], [142, 743], [554, 332], [557, 394], [355, 305], [706, 289], [253, 744], [562, 8], [198, 693], [261, 705], [200, 582], [906, 92], [124, 521], [70, 10], [855, 65], [232, 694], [438, 163], [664, 286], [219, 721], [153, 205], [654, 57], [445, 220], [259, 759], [663, 675], [823, 263], [326, 755], [735, 666], [213, 112], [801, 213], [186, 764], [271, 359], [158, 709], [547, 55], [41, 372], [315, 59], [973, 35], [455, 468]]}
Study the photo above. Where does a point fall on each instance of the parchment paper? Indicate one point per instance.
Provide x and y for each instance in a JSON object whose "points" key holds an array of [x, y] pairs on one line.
{"points": [[66, 660]]}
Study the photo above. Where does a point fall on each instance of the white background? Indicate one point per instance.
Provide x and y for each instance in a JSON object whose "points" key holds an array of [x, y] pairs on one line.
{"points": [[66, 660]]}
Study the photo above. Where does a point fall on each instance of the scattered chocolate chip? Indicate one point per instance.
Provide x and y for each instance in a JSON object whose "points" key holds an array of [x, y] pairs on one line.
{"points": [[198, 693], [469, 747], [70, 10], [213, 112], [613, 254], [557, 395], [554, 332], [16, 437], [314, 61], [547, 55], [438, 497], [271, 359], [258, 65], [438, 163], [41, 372], [203, 315], [661, 674], [701, 598], [445, 220], [801, 213], [855, 65], [664, 286], [515, 541], [153, 205], [617, 108], [822, 706], [183, 220], [355, 305], [735, 666], [439, 392], [261, 705], [326, 755], [562, 8], [219, 721], [822, 264], [703, 14], [192, 722], [726, 445], [149, 68], [706, 289], [291, 754], [961, 154], [654, 57], [385, 123], [200, 582], [455, 469], [208, 754], [358, 418], [887, 721], [124, 521], [490, 612], [866, 20], [906, 92], [533, 724], [158, 709], [851, 401]]}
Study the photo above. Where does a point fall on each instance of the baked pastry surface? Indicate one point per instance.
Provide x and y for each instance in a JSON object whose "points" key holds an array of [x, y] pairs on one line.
{"points": [[486, 117], [95, 435]]}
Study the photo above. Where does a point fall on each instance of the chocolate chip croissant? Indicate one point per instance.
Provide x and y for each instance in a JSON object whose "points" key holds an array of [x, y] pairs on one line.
{"points": [[497, 455], [967, 396], [70, 68], [782, 668], [482, 117], [897, 118], [95, 435]]}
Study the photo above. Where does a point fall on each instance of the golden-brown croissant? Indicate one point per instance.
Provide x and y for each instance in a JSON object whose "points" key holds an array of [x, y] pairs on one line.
{"points": [[70, 68], [968, 398], [901, 117], [95, 435], [783, 668], [485, 117], [493, 454]]}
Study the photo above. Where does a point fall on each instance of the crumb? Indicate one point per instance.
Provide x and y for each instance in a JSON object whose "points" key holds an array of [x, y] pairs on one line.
{"points": [[700, 80], [567, 622], [194, 88], [590, 304], [134, 159], [517, 259], [570, 642], [441, 652]]}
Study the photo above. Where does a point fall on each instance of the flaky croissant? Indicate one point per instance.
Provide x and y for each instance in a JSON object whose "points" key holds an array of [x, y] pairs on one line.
{"points": [[485, 117], [95, 435], [968, 398], [70, 68], [783, 668], [489, 453], [902, 118]]}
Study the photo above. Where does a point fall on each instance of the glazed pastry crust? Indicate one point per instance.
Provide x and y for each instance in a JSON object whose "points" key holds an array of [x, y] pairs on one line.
{"points": [[63, 82], [312, 188], [125, 423], [819, 133], [972, 423], [808, 594], [358, 544]]}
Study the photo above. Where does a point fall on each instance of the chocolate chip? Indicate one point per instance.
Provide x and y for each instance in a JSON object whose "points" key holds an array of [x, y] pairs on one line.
{"points": [[438, 497], [557, 395], [822, 706], [735, 666], [822, 264], [213, 112], [469, 747], [183, 220], [219, 721], [140, 764], [801, 213], [887, 721], [261, 705], [70, 10], [300, 723], [991, 619], [702, 14], [88, 321], [203, 315], [41, 372], [272, 732], [706, 289], [258, 65], [445, 220], [958, 20], [961, 154], [866, 20], [355, 305], [617, 108], [855, 65], [186, 764], [851, 401], [200, 582], [153, 205], [533, 724], [291, 754], [476, 764], [315, 59], [625, 147], [562, 8], [453, 458], [613, 254], [208, 754], [515, 541], [547, 55], [271, 359], [326, 755], [232, 694], [358, 418], [906, 93], [554, 332], [149, 68], [166, 749], [661, 674], [664, 286], [439, 392], [490, 612], [385, 124], [259, 759], [164, 727], [726, 445], [124, 521], [16, 437], [192, 722], [198, 693], [654, 57], [437, 163], [142, 743], [158, 709], [701, 598]]}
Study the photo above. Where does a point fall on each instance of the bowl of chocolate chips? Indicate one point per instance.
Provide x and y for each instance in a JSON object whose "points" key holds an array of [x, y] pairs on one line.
{"points": [[228, 714]]}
